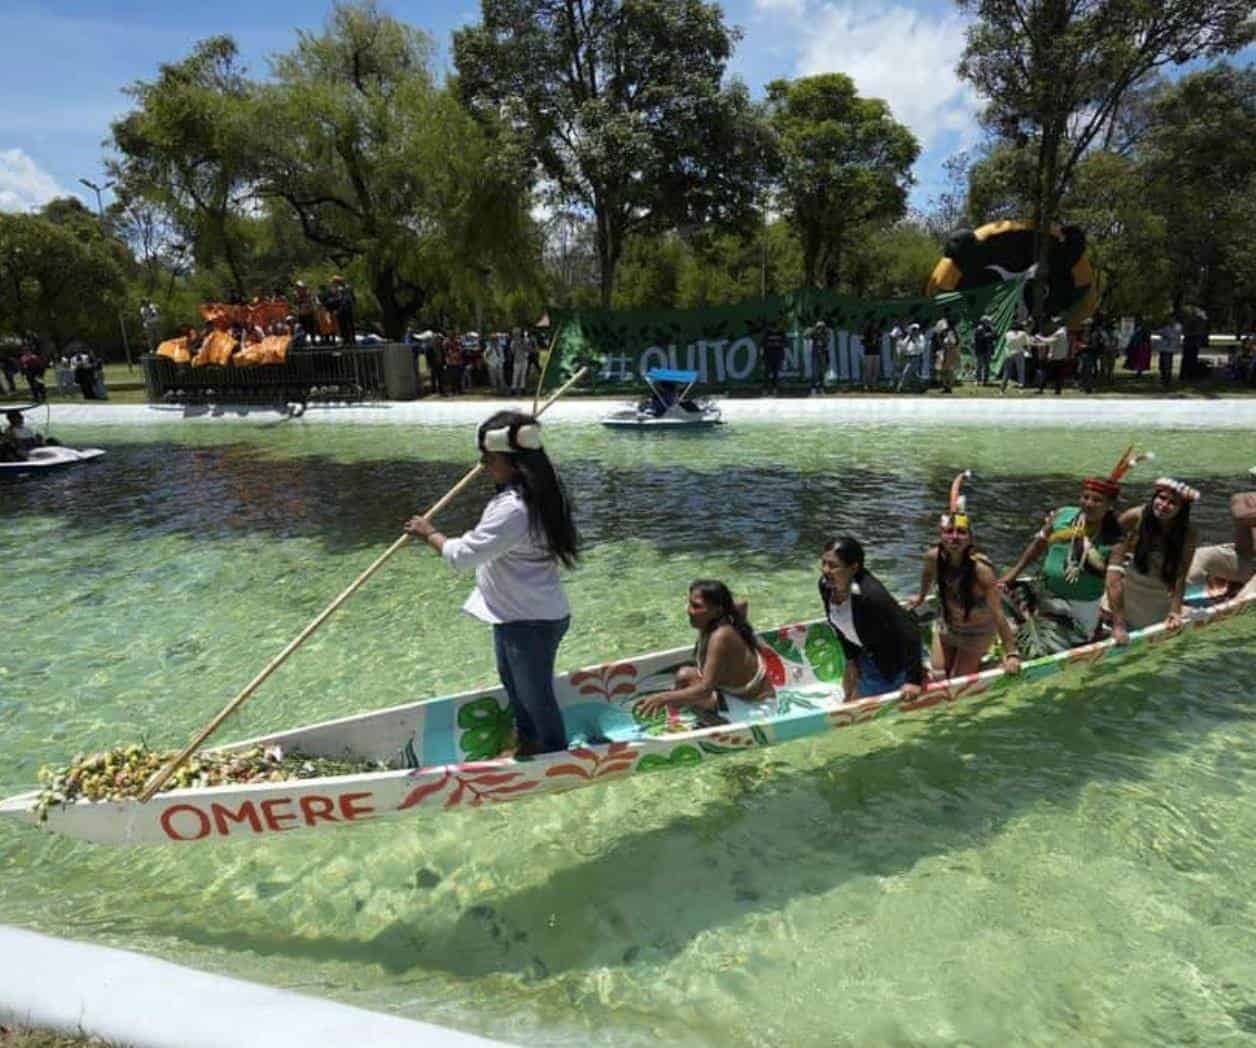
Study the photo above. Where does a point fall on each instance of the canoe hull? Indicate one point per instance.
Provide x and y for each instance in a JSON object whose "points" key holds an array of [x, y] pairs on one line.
{"points": [[809, 702]]}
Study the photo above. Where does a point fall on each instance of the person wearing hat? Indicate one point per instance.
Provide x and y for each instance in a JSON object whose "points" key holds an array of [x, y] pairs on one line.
{"points": [[524, 535], [911, 350], [1077, 541], [969, 595], [1146, 577], [1053, 355]]}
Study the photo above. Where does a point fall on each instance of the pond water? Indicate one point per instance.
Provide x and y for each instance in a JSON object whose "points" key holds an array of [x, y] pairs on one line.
{"points": [[1075, 863]]}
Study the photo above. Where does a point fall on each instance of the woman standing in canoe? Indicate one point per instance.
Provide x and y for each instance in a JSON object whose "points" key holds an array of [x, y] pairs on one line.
{"points": [[1147, 571], [968, 592], [524, 534]]}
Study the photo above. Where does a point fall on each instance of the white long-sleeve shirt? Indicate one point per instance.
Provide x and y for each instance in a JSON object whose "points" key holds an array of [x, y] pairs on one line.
{"points": [[516, 579]]}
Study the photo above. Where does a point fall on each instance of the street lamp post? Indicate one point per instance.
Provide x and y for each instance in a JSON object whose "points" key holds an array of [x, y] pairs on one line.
{"points": [[100, 211]]}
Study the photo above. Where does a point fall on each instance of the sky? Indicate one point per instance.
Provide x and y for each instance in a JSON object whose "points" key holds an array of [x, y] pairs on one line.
{"points": [[67, 61]]}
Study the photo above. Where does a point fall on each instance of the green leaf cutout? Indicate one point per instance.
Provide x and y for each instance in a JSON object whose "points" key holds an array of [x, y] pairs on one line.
{"points": [[487, 729], [824, 652]]}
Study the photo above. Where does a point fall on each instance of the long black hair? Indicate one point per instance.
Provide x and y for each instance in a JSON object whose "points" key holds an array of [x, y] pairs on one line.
{"points": [[967, 578], [550, 515], [718, 596], [1173, 538]]}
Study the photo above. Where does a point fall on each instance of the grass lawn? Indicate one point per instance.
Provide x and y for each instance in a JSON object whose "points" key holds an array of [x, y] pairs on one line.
{"points": [[21, 1037]]}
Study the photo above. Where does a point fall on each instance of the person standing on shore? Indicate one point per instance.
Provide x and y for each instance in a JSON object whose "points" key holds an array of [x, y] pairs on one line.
{"points": [[526, 532], [1053, 355], [818, 337], [1170, 347], [773, 356]]}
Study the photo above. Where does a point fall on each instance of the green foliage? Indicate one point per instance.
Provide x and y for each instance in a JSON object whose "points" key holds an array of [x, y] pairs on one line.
{"points": [[624, 108], [842, 165], [59, 277], [188, 146], [393, 173]]}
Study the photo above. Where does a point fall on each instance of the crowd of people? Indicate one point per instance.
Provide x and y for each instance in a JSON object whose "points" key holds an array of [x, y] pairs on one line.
{"points": [[917, 356], [82, 368], [1105, 572], [505, 362]]}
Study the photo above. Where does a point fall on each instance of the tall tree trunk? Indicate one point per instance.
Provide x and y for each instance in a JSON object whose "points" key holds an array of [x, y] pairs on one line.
{"points": [[393, 313], [607, 249], [1045, 204]]}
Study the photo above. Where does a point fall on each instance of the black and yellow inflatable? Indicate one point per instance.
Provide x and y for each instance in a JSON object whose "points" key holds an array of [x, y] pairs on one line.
{"points": [[1002, 250]]}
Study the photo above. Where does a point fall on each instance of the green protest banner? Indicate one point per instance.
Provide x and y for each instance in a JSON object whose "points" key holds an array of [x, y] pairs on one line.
{"points": [[724, 344]]}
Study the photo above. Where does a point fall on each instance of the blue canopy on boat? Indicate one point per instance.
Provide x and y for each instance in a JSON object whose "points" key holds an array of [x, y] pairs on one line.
{"points": [[670, 375]]}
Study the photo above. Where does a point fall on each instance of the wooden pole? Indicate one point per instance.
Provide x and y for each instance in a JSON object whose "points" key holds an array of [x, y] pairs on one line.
{"points": [[159, 779]]}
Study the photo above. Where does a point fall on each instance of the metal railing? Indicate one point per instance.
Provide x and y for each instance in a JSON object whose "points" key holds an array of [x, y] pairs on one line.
{"points": [[306, 375]]}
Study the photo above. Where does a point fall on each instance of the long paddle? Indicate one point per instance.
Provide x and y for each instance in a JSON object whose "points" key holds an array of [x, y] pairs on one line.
{"points": [[158, 780]]}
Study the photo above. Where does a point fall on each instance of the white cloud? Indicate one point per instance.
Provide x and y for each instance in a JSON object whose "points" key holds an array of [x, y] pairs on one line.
{"points": [[23, 184], [903, 56]]}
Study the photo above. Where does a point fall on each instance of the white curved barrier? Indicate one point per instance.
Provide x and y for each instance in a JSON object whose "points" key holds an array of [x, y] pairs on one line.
{"points": [[1238, 413], [148, 1003]]}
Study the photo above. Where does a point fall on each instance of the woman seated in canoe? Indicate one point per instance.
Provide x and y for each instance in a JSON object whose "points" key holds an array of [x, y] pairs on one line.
{"points": [[968, 591], [1077, 541], [1147, 571], [880, 639], [728, 663], [524, 534], [1229, 570]]}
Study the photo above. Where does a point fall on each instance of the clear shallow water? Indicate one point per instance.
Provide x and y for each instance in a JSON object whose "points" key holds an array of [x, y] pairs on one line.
{"points": [[1074, 864]]}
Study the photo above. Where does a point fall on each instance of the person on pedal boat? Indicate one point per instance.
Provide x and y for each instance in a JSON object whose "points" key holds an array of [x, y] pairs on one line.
{"points": [[727, 662], [1146, 578], [1077, 541], [880, 639], [968, 593], [524, 535], [18, 440]]}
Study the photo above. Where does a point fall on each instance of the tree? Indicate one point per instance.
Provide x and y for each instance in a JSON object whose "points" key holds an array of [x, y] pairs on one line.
{"points": [[188, 147], [53, 282], [844, 165], [624, 108], [1198, 161], [392, 173], [1054, 72]]}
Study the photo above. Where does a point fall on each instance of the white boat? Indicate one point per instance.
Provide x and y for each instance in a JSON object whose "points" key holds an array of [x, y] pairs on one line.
{"points": [[440, 754], [46, 457], [666, 409]]}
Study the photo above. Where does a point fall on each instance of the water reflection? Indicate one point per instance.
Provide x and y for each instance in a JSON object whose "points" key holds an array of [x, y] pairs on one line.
{"points": [[765, 514]]}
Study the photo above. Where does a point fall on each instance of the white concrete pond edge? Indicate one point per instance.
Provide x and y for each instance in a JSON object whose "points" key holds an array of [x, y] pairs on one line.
{"points": [[143, 1002], [1019, 410]]}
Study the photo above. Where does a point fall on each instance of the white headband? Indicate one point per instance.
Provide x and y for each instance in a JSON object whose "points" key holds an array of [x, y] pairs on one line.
{"points": [[510, 439], [1185, 491]]}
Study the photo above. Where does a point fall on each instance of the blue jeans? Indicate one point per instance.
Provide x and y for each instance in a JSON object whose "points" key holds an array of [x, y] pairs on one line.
{"points": [[525, 662], [871, 682]]}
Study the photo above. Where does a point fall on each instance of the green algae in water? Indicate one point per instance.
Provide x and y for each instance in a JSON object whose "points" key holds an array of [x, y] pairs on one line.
{"points": [[1072, 865]]}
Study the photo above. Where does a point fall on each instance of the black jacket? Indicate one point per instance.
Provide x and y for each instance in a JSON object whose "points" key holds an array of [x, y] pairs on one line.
{"points": [[889, 632]]}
